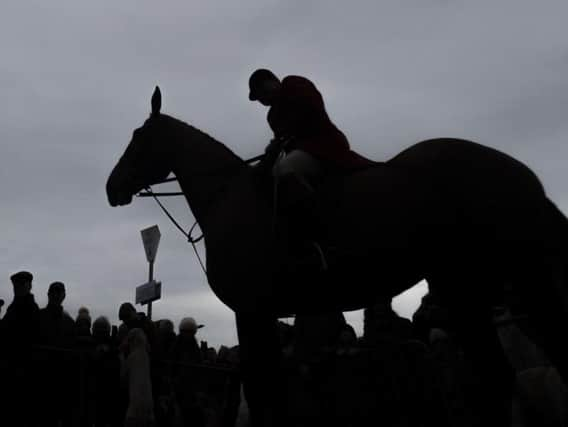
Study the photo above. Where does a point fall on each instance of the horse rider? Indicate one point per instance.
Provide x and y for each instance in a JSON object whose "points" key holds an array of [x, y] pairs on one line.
{"points": [[306, 146]]}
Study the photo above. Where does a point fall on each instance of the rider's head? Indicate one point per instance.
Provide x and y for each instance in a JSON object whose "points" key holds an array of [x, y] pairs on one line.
{"points": [[264, 86]]}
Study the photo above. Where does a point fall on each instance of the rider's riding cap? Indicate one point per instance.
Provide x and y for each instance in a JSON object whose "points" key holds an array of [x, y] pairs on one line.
{"points": [[256, 79]]}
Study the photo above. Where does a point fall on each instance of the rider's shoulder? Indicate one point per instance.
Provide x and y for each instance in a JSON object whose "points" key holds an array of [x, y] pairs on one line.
{"points": [[297, 81]]}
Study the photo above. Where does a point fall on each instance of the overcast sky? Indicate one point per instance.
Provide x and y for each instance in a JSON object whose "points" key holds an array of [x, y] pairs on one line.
{"points": [[76, 78]]}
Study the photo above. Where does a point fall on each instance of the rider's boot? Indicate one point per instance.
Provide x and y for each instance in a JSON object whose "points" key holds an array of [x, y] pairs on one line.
{"points": [[297, 201]]}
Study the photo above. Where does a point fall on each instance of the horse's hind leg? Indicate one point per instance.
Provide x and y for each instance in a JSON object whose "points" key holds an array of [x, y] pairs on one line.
{"points": [[470, 311], [544, 298]]}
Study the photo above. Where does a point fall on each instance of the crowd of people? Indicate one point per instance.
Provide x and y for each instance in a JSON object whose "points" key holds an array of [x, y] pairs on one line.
{"points": [[60, 371]]}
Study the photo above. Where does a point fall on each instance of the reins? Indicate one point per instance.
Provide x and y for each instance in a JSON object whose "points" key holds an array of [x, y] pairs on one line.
{"points": [[173, 179], [187, 235]]}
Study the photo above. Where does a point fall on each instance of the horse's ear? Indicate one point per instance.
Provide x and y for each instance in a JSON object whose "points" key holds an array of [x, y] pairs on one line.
{"points": [[156, 101]]}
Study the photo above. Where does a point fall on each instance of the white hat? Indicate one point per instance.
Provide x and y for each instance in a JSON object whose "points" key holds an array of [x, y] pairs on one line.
{"points": [[189, 323]]}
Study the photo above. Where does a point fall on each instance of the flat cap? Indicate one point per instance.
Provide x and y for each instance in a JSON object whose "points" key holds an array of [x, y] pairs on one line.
{"points": [[21, 277]]}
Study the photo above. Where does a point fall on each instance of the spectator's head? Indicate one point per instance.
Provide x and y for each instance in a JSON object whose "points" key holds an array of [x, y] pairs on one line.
{"points": [[22, 282], [188, 326], [127, 312], [56, 293], [83, 322], [101, 327], [136, 339], [166, 327], [223, 354]]}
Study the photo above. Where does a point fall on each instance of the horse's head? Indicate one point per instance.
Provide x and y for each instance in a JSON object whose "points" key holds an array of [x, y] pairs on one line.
{"points": [[145, 161]]}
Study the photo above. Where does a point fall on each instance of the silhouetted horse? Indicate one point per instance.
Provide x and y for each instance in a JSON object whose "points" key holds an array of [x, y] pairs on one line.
{"points": [[465, 217]]}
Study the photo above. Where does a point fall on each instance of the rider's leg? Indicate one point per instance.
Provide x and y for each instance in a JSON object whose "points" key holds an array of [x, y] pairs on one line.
{"points": [[296, 174], [303, 167]]}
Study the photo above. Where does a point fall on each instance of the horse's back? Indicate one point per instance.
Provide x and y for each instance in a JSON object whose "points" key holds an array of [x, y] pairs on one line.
{"points": [[488, 186], [467, 163], [450, 185]]}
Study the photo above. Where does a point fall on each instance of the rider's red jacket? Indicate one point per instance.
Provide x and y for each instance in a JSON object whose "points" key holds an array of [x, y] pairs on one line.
{"points": [[299, 113]]}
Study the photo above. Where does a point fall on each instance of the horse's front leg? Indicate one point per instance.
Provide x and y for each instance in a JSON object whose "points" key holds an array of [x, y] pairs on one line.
{"points": [[260, 357]]}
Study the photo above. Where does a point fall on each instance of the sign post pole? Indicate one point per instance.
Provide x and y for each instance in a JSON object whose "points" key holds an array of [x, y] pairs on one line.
{"points": [[150, 278], [151, 239]]}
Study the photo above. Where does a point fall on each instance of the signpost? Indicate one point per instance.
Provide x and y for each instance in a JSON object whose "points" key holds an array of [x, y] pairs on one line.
{"points": [[152, 290]]}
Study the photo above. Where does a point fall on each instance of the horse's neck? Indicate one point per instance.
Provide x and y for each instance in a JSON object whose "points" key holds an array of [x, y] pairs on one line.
{"points": [[203, 168]]}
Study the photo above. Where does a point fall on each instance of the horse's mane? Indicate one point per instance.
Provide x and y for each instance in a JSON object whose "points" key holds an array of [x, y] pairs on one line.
{"points": [[197, 134]]}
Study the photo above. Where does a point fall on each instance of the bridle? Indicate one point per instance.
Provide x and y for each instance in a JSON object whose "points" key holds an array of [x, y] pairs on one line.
{"points": [[187, 234]]}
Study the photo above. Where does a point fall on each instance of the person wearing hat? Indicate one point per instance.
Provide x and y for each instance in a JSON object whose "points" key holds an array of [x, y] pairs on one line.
{"points": [[188, 325], [306, 147], [21, 321], [301, 126], [20, 330], [186, 349]]}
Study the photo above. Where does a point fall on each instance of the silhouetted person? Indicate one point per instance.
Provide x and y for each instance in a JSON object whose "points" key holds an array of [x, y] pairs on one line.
{"points": [[301, 125], [383, 325], [186, 349], [346, 341], [20, 331], [83, 323], [223, 355], [306, 146], [161, 355], [57, 331], [83, 338], [131, 320], [105, 375], [210, 355], [57, 328], [165, 339], [21, 321], [430, 314], [317, 335]]}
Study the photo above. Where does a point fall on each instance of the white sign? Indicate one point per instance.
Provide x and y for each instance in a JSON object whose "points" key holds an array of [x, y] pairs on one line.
{"points": [[151, 239], [148, 292]]}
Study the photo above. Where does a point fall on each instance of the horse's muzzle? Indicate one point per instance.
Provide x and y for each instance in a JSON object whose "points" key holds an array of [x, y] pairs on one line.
{"points": [[119, 199], [119, 188]]}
